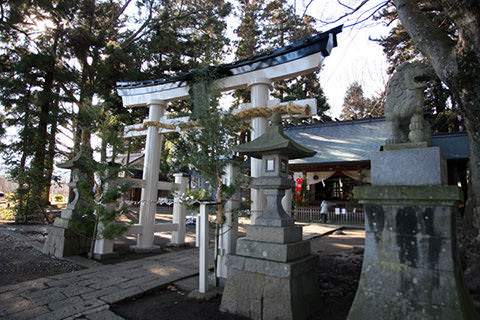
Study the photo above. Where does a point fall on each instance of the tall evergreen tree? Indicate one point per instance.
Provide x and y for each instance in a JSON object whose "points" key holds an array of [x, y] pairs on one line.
{"points": [[281, 26], [30, 97], [357, 106], [79, 50], [267, 25]]}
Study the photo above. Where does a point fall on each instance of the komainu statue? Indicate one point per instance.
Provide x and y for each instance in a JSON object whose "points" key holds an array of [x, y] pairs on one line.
{"points": [[404, 104]]}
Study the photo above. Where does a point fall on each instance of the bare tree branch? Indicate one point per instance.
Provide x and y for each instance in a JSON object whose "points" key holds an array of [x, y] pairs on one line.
{"points": [[133, 37], [344, 5], [432, 41], [375, 9], [347, 13], [306, 8]]}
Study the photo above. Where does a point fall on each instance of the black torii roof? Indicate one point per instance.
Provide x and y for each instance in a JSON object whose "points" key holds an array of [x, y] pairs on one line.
{"points": [[294, 51]]}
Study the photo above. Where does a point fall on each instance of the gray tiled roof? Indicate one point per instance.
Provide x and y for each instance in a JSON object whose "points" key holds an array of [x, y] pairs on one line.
{"points": [[355, 140]]}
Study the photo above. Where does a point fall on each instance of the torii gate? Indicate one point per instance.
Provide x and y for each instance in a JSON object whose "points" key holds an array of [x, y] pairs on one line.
{"points": [[256, 73]]}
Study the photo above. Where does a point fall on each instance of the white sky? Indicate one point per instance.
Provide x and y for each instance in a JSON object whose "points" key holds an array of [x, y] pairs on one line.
{"points": [[355, 59]]}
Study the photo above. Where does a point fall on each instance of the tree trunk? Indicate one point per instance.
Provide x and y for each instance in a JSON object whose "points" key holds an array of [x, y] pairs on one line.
{"points": [[21, 214], [47, 116], [457, 63], [473, 129], [51, 150], [38, 169]]}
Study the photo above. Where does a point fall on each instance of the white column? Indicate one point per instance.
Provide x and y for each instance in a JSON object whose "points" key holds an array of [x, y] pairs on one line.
{"points": [[151, 166], [228, 230], [259, 91], [197, 230], [287, 201], [178, 237], [203, 266]]}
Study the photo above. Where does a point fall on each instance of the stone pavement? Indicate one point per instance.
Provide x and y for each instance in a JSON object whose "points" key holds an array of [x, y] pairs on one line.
{"points": [[87, 294]]}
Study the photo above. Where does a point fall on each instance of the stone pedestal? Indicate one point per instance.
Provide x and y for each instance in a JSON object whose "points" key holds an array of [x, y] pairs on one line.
{"points": [[62, 241], [272, 275], [410, 268], [411, 166]]}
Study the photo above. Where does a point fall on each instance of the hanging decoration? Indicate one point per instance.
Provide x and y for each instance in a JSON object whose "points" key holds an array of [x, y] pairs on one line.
{"points": [[318, 176]]}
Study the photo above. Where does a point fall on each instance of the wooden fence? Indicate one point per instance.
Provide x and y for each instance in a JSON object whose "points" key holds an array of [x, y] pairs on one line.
{"points": [[336, 216]]}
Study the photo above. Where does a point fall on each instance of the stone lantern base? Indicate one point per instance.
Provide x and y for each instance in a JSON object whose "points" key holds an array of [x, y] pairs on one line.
{"points": [[272, 275]]}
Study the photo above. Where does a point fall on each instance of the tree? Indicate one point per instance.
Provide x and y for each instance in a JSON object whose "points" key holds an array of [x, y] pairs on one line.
{"points": [[399, 48], [455, 58], [208, 149], [267, 25], [282, 26], [29, 74], [447, 33], [63, 53], [356, 106]]}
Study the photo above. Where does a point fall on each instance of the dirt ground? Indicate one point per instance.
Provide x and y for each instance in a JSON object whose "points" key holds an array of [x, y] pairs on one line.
{"points": [[21, 261], [338, 271]]}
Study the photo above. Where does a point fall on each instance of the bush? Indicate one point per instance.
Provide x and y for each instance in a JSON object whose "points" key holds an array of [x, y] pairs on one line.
{"points": [[7, 214]]}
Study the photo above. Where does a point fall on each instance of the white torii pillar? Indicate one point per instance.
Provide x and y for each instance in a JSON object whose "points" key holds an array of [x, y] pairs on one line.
{"points": [[178, 237], [259, 92], [229, 230], [151, 166]]}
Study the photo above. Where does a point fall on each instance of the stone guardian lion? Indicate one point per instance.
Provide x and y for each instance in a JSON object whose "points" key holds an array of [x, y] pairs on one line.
{"points": [[404, 104]]}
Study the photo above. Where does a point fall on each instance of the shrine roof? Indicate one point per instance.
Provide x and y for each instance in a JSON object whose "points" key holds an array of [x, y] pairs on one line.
{"points": [[294, 51], [355, 140]]}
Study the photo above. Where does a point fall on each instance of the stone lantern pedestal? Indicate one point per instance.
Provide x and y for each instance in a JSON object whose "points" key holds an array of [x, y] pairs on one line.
{"points": [[272, 276]]}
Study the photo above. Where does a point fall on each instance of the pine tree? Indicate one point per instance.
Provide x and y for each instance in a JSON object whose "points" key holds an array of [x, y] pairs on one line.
{"points": [[357, 106], [268, 25], [30, 98], [283, 26], [83, 50]]}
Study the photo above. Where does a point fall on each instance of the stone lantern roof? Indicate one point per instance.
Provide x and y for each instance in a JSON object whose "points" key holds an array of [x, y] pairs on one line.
{"points": [[274, 141]]}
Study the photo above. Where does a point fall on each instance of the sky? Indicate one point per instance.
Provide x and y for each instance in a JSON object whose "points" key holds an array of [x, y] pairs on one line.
{"points": [[356, 58]]}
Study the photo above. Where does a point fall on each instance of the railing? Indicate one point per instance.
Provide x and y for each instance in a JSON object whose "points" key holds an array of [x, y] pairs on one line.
{"points": [[336, 216]]}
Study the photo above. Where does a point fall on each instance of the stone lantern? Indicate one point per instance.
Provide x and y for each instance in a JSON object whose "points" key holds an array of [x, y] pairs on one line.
{"points": [[271, 276], [275, 149]]}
